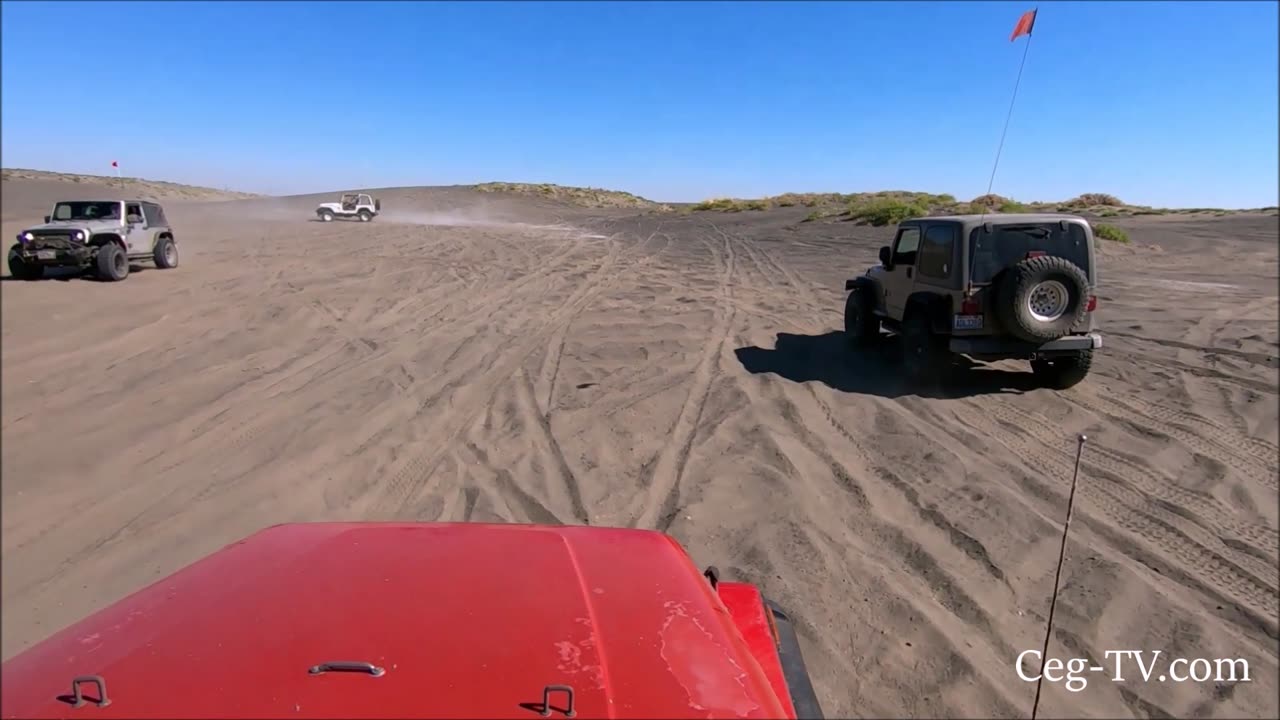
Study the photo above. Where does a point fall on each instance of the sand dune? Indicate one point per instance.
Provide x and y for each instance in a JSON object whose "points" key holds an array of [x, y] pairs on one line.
{"points": [[496, 357]]}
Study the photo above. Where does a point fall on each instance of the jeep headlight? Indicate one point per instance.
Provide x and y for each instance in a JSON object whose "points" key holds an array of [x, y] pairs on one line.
{"points": [[79, 235], [28, 237]]}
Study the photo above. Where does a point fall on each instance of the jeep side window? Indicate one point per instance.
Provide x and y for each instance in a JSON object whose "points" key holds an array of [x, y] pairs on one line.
{"points": [[904, 253], [936, 253], [133, 213]]}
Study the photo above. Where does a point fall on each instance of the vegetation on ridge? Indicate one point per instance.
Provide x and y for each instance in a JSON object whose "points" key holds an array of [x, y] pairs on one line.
{"points": [[584, 197], [887, 207], [138, 187]]}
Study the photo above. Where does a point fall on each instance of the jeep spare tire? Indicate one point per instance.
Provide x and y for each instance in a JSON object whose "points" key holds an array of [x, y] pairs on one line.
{"points": [[1040, 299]]}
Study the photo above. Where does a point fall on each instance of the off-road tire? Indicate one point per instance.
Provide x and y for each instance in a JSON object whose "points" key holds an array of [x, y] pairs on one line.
{"points": [[1023, 282], [1064, 371], [326, 215], [166, 254], [365, 216], [925, 356], [112, 263], [861, 326], [23, 270]]}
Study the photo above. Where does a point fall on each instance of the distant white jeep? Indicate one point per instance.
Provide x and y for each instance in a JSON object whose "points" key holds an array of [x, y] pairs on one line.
{"points": [[354, 205]]}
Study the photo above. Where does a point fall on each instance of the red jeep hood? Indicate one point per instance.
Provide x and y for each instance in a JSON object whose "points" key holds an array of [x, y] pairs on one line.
{"points": [[467, 620]]}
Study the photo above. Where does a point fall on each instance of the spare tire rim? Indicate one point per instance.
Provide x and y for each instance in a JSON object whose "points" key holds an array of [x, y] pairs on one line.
{"points": [[1048, 301]]}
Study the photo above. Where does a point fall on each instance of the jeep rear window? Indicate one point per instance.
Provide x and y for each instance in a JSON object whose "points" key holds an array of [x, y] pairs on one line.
{"points": [[1008, 245], [86, 211]]}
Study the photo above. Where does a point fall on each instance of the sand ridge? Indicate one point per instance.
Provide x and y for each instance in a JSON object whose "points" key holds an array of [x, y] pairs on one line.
{"points": [[488, 357]]}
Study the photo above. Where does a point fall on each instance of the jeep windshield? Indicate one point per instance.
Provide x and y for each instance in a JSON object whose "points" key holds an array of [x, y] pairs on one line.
{"points": [[91, 210], [1008, 245]]}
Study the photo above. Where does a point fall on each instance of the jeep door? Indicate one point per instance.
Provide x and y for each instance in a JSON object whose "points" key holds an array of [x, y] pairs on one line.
{"points": [[135, 230], [899, 277]]}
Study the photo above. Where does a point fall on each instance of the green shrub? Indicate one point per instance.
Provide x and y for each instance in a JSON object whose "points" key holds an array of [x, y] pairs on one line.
{"points": [[717, 205], [1110, 232], [730, 205], [1092, 199], [886, 212]]}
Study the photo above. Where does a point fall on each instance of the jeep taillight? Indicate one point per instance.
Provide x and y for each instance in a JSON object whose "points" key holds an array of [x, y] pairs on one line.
{"points": [[970, 306], [1093, 304]]}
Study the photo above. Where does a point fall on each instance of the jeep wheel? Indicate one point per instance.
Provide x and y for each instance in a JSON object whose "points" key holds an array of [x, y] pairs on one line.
{"points": [[1063, 372], [924, 355], [21, 269], [166, 254], [1041, 299], [365, 216], [113, 264], [326, 216], [861, 326]]}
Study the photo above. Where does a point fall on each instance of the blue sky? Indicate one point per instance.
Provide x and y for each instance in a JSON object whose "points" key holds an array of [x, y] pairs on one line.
{"points": [[1164, 103]]}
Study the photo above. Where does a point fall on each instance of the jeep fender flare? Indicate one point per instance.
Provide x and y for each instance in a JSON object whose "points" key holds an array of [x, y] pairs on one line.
{"points": [[103, 238], [937, 307], [867, 286], [161, 236], [861, 281]]}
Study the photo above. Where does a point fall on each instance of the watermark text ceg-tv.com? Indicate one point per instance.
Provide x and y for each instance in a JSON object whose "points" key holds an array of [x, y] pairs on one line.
{"points": [[1130, 666]]}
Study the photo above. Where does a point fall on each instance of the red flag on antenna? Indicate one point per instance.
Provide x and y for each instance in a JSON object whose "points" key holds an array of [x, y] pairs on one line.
{"points": [[1025, 23], [115, 164]]}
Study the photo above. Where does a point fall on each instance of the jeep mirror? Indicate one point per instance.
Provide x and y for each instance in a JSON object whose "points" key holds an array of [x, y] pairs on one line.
{"points": [[886, 258], [47, 218]]}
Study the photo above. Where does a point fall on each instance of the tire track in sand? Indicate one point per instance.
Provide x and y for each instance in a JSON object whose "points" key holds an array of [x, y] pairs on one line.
{"points": [[544, 441], [1164, 493], [413, 479], [662, 496], [1253, 458], [1129, 511], [392, 354], [475, 393]]}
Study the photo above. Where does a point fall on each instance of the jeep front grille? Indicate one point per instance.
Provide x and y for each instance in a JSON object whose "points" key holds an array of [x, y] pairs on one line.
{"points": [[59, 241]]}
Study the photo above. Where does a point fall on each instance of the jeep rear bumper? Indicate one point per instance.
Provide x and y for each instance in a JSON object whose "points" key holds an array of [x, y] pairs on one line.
{"points": [[1002, 347]]}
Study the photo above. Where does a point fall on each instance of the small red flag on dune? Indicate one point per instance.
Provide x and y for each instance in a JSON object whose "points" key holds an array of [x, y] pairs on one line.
{"points": [[115, 164], [1025, 23]]}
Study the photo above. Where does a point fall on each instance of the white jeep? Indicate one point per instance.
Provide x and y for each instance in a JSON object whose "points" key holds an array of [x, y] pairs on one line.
{"points": [[361, 206], [100, 235]]}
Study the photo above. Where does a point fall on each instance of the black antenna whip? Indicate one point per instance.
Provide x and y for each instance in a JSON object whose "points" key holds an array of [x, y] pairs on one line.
{"points": [[1057, 576], [1000, 148]]}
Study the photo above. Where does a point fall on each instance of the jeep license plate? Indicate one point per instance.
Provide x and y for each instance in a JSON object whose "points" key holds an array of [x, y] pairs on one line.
{"points": [[967, 322], [46, 255]]}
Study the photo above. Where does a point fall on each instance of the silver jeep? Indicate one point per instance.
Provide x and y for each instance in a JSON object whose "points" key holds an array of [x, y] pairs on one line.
{"points": [[99, 235]]}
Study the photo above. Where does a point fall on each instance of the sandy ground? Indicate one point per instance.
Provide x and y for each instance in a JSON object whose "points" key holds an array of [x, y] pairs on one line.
{"points": [[684, 373]]}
